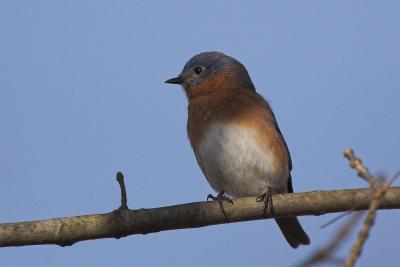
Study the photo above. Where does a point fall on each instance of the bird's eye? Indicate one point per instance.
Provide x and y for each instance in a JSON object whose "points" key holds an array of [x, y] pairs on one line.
{"points": [[198, 70]]}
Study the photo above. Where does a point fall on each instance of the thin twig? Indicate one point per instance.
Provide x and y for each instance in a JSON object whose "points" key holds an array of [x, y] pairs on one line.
{"points": [[325, 254], [369, 221], [362, 171], [337, 218], [124, 201]]}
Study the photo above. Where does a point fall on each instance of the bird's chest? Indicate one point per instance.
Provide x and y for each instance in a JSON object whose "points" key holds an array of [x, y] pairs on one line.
{"points": [[234, 160]]}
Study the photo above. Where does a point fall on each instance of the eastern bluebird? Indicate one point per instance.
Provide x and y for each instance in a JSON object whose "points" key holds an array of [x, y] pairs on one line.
{"points": [[235, 136]]}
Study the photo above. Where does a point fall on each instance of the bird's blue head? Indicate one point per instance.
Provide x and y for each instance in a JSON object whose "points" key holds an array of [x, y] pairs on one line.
{"points": [[213, 67]]}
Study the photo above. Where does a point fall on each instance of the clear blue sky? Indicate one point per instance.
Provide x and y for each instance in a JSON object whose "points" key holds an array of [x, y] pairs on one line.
{"points": [[82, 95]]}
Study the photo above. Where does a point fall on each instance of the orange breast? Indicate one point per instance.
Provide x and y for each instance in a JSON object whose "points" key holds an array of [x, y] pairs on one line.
{"points": [[236, 106]]}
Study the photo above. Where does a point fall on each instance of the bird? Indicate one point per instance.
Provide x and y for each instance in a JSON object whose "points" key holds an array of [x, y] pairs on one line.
{"points": [[235, 136]]}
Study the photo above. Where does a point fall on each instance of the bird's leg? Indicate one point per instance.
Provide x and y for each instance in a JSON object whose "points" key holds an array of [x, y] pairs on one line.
{"points": [[221, 197], [267, 199]]}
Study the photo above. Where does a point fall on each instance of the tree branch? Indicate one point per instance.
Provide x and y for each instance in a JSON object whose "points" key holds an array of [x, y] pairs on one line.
{"points": [[123, 222]]}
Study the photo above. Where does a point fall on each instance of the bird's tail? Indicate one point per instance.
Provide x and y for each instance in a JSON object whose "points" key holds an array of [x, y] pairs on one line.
{"points": [[293, 232]]}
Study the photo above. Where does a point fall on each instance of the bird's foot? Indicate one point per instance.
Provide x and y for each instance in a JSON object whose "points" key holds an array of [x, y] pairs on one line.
{"points": [[221, 197], [267, 199]]}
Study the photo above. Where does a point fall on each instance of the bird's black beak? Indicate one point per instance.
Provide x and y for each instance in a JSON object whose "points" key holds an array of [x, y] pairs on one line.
{"points": [[176, 80]]}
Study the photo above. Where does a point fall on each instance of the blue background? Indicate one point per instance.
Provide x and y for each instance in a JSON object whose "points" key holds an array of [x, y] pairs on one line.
{"points": [[82, 95]]}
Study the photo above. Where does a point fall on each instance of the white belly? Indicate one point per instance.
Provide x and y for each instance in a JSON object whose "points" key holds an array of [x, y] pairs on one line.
{"points": [[234, 162]]}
